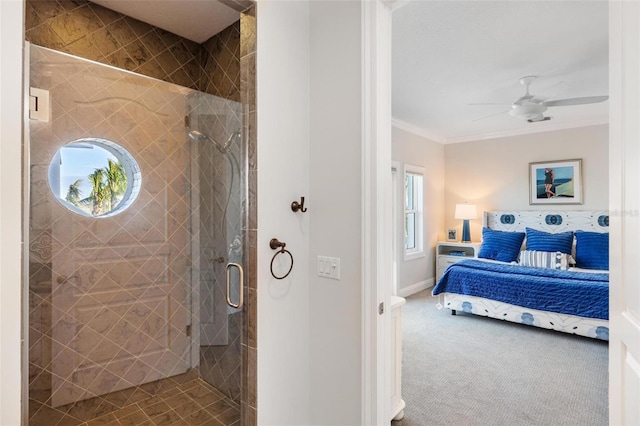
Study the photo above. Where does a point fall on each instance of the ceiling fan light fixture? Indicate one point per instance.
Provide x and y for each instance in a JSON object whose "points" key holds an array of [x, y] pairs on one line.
{"points": [[539, 118], [528, 111]]}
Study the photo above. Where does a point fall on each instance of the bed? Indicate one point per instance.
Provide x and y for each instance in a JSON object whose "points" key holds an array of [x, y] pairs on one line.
{"points": [[525, 272]]}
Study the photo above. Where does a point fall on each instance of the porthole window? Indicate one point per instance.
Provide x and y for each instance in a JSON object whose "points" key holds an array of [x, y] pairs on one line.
{"points": [[94, 177]]}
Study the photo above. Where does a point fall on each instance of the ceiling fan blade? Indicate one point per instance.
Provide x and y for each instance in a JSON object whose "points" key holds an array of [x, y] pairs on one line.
{"points": [[489, 116], [551, 92], [576, 101], [485, 103]]}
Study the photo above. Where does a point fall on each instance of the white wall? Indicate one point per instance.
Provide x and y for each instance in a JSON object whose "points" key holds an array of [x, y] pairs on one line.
{"points": [[494, 174], [283, 176], [309, 144], [409, 148], [335, 210], [11, 40]]}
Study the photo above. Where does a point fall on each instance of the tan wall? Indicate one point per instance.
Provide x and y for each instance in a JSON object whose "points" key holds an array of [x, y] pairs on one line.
{"points": [[413, 149], [494, 174]]}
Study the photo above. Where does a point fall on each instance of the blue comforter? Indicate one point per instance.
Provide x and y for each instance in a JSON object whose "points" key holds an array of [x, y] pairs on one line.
{"points": [[574, 293]]}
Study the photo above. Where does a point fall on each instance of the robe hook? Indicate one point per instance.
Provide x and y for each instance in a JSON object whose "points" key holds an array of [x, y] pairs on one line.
{"points": [[295, 206]]}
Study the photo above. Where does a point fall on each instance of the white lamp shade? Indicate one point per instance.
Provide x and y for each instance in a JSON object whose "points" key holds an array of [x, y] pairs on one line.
{"points": [[466, 211]]}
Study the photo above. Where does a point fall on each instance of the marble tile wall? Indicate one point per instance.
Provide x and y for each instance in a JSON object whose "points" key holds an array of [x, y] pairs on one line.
{"points": [[250, 208], [90, 31], [220, 59], [93, 32]]}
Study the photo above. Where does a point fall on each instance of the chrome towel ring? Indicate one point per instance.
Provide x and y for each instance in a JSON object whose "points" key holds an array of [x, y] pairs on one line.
{"points": [[275, 244]]}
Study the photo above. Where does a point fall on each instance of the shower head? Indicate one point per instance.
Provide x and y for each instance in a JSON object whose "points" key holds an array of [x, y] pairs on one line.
{"points": [[231, 158], [197, 136]]}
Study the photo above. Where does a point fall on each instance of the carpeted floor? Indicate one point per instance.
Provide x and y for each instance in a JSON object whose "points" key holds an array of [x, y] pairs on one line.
{"points": [[471, 370]]}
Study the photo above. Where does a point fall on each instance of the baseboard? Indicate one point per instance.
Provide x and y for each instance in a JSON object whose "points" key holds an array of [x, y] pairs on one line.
{"points": [[414, 288]]}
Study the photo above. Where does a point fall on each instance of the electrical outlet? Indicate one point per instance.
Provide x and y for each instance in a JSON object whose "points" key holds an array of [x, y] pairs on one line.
{"points": [[329, 267]]}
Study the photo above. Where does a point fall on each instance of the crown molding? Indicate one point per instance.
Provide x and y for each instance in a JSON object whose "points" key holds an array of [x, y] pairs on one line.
{"points": [[419, 131], [549, 126], [397, 4], [539, 127]]}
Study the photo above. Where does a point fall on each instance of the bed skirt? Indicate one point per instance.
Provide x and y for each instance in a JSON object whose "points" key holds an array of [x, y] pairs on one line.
{"points": [[589, 327]]}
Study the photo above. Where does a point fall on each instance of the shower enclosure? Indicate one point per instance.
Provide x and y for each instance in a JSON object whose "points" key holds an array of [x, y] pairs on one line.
{"points": [[136, 239]]}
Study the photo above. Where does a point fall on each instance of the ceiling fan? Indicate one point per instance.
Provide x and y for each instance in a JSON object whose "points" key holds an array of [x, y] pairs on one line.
{"points": [[532, 108]]}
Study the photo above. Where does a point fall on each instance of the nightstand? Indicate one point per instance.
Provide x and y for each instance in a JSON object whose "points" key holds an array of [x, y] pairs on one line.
{"points": [[450, 252]]}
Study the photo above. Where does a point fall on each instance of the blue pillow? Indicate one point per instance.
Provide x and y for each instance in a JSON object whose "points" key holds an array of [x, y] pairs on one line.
{"points": [[500, 245], [545, 241], [592, 250]]}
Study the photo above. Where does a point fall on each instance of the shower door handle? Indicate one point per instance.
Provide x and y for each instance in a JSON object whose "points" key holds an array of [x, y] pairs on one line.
{"points": [[241, 285]]}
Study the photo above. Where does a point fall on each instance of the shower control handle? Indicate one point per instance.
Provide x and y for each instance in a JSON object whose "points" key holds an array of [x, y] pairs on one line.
{"points": [[240, 282]]}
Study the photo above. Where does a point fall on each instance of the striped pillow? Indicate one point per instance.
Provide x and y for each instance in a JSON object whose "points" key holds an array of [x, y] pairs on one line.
{"points": [[546, 259]]}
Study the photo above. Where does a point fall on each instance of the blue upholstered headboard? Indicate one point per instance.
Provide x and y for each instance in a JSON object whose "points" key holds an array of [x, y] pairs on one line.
{"points": [[548, 221]]}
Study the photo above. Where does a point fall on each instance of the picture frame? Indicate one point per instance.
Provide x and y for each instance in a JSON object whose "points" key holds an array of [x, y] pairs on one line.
{"points": [[452, 235], [555, 182]]}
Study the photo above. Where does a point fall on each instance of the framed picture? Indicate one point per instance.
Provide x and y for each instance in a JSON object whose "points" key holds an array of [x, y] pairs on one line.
{"points": [[452, 235], [555, 182]]}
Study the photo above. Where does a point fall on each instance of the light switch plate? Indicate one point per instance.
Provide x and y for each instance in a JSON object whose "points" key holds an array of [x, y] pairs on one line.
{"points": [[329, 267]]}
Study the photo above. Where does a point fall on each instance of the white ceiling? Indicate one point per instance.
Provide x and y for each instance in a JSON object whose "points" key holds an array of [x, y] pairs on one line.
{"points": [[196, 20], [448, 54]]}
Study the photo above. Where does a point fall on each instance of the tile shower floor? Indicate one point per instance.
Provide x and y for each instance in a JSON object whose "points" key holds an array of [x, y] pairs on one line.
{"points": [[192, 403]]}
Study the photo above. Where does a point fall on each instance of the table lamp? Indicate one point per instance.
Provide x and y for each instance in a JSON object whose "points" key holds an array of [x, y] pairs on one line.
{"points": [[466, 212]]}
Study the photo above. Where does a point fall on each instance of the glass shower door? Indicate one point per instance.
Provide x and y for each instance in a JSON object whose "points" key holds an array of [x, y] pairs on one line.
{"points": [[128, 282], [218, 198], [110, 287]]}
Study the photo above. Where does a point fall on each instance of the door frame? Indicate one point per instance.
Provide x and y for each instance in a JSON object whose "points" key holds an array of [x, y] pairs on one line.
{"points": [[13, 360], [624, 199], [376, 106], [376, 212]]}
